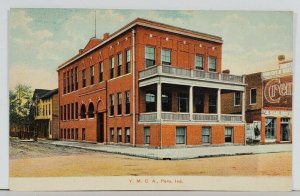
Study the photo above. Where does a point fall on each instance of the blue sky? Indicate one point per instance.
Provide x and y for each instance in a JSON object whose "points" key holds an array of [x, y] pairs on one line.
{"points": [[42, 39]]}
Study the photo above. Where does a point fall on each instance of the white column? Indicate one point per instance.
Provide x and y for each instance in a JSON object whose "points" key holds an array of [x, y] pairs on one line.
{"points": [[219, 104], [191, 102], [243, 106], [158, 102]]}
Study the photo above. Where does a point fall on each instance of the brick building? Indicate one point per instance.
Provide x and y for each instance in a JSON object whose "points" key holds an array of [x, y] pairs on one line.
{"points": [[46, 114], [268, 104], [149, 84]]}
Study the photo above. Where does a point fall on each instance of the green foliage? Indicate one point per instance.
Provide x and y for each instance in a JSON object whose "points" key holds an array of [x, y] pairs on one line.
{"points": [[21, 110]]}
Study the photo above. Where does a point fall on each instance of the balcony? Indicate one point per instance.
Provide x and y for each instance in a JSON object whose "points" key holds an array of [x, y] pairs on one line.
{"points": [[196, 117], [170, 71]]}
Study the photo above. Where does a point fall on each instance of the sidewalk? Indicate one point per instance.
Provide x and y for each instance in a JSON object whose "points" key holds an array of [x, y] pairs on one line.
{"points": [[177, 153]]}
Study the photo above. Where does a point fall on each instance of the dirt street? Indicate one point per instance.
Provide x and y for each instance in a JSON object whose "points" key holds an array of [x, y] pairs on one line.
{"points": [[45, 160]]}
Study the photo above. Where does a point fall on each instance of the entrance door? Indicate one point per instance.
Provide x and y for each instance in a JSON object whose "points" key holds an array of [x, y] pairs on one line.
{"points": [[285, 129], [100, 127]]}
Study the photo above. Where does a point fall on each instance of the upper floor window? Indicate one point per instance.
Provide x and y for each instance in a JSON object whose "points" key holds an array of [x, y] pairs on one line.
{"points": [[112, 67], [65, 83], [127, 102], [127, 69], [91, 110], [82, 111], [253, 96], [150, 102], [68, 81], [111, 101], [212, 101], [101, 72], [199, 62], [166, 57], [119, 72], [237, 98], [76, 78], [83, 78], [92, 74], [119, 103], [150, 56], [72, 80], [212, 64]]}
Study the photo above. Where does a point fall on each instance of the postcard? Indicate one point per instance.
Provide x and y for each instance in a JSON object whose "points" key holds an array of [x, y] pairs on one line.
{"points": [[150, 100]]}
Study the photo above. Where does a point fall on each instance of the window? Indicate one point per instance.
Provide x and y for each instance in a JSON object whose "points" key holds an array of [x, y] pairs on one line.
{"points": [[199, 103], [68, 111], [82, 112], [180, 135], [92, 75], [253, 96], [127, 70], [91, 110], [119, 135], [72, 80], [150, 56], [270, 128], [127, 102], [101, 72], [112, 66], [65, 83], [237, 98], [228, 134], [212, 103], [76, 78], [127, 135], [166, 57], [83, 134], [111, 101], [65, 134], [72, 133], [119, 103], [119, 71], [146, 135], [68, 80], [61, 134], [111, 131], [72, 111], [49, 109], [166, 101], [65, 112], [83, 78], [76, 134], [183, 102], [150, 102], [69, 134], [212, 64], [206, 139], [76, 110], [199, 62]]}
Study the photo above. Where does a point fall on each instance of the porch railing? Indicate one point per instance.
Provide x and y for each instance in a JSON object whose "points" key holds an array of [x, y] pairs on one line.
{"points": [[205, 117], [196, 74], [146, 117], [231, 118], [175, 116]]}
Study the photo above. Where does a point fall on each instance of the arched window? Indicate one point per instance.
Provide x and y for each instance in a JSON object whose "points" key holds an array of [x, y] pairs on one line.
{"points": [[82, 111], [91, 110]]}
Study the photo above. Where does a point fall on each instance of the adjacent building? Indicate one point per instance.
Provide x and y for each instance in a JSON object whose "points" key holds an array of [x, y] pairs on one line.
{"points": [[268, 104], [46, 115], [152, 85]]}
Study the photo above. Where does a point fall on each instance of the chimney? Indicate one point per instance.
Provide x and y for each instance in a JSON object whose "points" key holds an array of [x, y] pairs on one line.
{"points": [[226, 71], [281, 58], [105, 36]]}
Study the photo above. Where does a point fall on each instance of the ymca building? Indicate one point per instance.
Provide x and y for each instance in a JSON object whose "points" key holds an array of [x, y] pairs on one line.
{"points": [[151, 85]]}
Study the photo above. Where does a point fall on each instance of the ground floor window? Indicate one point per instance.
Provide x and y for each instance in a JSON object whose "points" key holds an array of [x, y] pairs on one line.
{"points": [[65, 134], [72, 134], [111, 132], [228, 134], [119, 135], [127, 137], [206, 135], [83, 133], [76, 134], [180, 135], [146, 135], [270, 128], [285, 129], [61, 134], [69, 134]]}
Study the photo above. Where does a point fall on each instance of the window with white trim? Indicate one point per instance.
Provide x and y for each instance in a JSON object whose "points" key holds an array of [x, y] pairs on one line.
{"points": [[206, 133], [180, 135], [228, 134], [212, 64], [199, 62], [166, 57], [149, 56]]}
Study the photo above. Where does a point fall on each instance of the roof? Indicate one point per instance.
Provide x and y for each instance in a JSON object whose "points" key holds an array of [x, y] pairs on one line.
{"points": [[44, 93], [144, 23]]}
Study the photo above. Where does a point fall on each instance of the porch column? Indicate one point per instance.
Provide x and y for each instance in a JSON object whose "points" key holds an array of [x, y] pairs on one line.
{"points": [[191, 102], [158, 103], [219, 104], [243, 106]]}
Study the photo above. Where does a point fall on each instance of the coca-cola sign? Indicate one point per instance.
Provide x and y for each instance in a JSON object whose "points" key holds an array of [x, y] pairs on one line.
{"points": [[278, 92]]}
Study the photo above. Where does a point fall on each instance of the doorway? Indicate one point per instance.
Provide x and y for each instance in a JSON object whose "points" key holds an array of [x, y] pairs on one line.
{"points": [[100, 127], [285, 129]]}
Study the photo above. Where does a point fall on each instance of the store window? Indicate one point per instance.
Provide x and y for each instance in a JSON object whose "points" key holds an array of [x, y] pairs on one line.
{"points": [[270, 128]]}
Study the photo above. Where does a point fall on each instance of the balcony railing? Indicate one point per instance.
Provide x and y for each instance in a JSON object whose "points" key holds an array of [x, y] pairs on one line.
{"points": [[198, 117], [195, 74], [231, 118]]}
